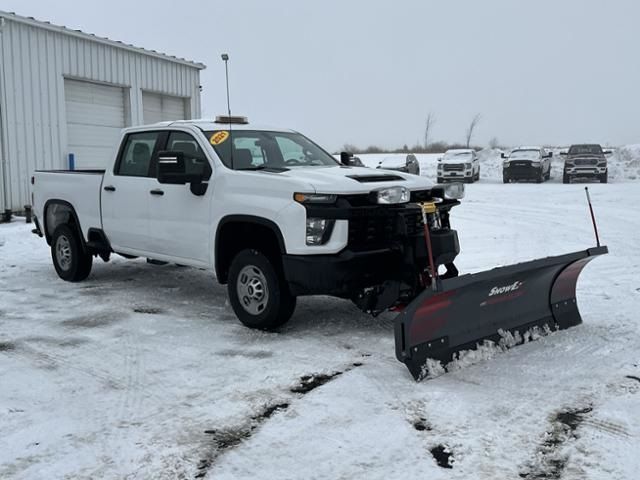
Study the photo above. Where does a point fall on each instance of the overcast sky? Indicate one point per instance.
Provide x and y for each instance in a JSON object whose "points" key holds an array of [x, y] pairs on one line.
{"points": [[368, 72]]}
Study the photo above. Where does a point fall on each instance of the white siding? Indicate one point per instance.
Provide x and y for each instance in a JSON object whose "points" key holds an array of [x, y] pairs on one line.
{"points": [[35, 60], [159, 108], [95, 117]]}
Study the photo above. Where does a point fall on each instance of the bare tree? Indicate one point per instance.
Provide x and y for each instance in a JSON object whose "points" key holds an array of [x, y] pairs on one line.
{"points": [[428, 126], [472, 127], [494, 143]]}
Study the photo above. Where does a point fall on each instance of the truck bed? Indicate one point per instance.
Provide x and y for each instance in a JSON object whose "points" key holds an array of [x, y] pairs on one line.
{"points": [[79, 188]]}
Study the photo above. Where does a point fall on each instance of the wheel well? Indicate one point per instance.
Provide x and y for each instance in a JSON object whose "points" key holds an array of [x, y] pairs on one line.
{"points": [[234, 236], [59, 212]]}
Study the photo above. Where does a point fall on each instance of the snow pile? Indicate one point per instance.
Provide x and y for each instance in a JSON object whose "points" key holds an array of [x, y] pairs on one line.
{"points": [[483, 351], [624, 164]]}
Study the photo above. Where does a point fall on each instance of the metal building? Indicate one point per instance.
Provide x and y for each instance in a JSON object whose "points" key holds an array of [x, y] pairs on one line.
{"points": [[65, 95]]}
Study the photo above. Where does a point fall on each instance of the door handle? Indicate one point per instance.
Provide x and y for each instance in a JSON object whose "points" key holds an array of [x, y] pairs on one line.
{"points": [[109, 188], [156, 192]]}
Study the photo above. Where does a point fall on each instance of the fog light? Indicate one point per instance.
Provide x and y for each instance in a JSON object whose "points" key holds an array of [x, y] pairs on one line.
{"points": [[392, 195], [319, 230]]}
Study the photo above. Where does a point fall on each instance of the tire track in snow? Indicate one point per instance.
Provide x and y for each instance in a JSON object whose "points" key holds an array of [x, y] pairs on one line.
{"points": [[227, 438]]}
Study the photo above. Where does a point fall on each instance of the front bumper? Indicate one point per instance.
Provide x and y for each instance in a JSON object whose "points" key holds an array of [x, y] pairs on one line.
{"points": [[455, 174], [344, 274], [585, 171]]}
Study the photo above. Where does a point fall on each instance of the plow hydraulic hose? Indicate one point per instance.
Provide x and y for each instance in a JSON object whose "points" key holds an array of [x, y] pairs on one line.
{"points": [[427, 235]]}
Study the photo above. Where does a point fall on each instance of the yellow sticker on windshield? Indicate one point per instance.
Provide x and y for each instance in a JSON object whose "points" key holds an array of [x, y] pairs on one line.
{"points": [[219, 137]]}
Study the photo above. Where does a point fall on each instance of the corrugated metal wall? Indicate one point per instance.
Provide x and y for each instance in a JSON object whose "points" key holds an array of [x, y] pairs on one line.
{"points": [[34, 62]]}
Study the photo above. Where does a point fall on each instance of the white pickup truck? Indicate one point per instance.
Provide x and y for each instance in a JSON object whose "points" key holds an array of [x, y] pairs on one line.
{"points": [[273, 214]]}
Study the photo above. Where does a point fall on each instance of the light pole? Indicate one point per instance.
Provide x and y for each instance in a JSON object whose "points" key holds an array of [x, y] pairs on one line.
{"points": [[225, 58]]}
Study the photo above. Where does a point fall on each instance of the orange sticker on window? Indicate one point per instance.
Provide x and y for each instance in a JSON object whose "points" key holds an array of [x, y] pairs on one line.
{"points": [[219, 137]]}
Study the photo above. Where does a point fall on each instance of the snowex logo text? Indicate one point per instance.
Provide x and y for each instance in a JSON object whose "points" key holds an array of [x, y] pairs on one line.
{"points": [[505, 289]]}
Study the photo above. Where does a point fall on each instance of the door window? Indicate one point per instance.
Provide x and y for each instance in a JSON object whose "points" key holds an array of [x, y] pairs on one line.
{"points": [[135, 159], [195, 160]]}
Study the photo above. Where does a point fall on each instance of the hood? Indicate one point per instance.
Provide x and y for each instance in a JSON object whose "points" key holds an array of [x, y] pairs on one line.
{"points": [[393, 162], [353, 180], [456, 161]]}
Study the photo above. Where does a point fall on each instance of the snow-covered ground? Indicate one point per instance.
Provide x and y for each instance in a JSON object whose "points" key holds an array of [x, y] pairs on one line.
{"points": [[143, 372]]}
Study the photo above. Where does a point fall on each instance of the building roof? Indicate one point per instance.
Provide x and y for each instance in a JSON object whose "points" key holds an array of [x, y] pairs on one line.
{"points": [[94, 38]]}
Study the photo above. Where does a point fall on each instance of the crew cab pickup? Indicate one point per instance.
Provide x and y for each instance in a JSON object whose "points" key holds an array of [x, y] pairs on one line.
{"points": [[459, 165], [587, 161], [527, 163], [271, 213]]}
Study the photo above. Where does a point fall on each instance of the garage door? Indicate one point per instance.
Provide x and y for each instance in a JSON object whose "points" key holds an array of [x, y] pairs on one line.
{"points": [[95, 116], [160, 108]]}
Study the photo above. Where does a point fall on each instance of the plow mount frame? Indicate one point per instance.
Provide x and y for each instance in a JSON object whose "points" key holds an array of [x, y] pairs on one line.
{"points": [[467, 310]]}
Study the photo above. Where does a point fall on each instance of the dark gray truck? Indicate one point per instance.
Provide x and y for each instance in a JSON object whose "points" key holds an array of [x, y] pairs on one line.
{"points": [[586, 161]]}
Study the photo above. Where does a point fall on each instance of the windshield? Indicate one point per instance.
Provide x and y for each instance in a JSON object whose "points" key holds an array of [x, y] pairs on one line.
{"points": [[255, 150], [585, 150], [462, 156], [525, 155]]}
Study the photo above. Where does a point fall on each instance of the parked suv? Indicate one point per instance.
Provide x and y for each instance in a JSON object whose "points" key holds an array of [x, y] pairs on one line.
{"points": [[527, 163], [585, 161], [459, 165]]}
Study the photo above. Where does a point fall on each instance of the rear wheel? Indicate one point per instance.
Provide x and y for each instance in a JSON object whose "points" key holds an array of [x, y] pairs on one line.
{"points": [[70, 261], [258, 291]]}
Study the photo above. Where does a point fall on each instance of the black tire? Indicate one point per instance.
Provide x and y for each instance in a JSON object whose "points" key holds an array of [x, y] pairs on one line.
{"points": [[477, 177], [604, 177], [267, 303], [540, 178], [70, 261], [505, 179], [566, 178]]}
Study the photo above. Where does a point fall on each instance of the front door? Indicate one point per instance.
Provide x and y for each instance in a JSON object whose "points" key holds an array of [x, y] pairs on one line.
{"points": [[179, 220]]}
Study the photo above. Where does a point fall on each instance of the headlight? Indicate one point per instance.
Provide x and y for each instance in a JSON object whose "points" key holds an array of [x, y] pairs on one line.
{"points": [[392, 195], [467, 165], [319, 230], [449, 191], [315, 197], [535, 164], [505, 163]]}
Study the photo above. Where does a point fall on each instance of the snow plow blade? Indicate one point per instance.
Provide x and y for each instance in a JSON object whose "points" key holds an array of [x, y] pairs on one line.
{"points": [[469, 309]]}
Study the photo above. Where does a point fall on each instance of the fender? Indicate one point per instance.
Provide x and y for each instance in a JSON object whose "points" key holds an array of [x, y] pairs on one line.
{"points": [[245, 219], [64, 203]]}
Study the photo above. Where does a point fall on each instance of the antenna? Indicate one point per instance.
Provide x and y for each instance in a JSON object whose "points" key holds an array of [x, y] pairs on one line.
{"points": [[593, 218], [225, 59]]}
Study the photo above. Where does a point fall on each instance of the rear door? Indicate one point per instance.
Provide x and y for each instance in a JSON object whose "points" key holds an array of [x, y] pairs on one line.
{"points": [[180, 220], [126, 193]]}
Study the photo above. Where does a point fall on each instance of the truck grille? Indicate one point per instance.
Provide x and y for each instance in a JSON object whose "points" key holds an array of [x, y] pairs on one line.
{"points": [[380, 228], [458, 167], [585, 161]]}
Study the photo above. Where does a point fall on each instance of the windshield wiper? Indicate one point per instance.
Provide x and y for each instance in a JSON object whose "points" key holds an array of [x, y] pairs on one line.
{"points": [[264, 167]]}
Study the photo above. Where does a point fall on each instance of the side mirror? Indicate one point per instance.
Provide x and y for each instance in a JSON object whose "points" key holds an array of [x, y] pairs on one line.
{"points": [[171, 168], [550, 155], [607, 152], [503, 155], [439, 159], [345, 158]]}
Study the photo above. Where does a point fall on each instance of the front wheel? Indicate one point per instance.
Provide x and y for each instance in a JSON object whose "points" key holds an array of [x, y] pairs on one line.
{"points": [[566, 178], [505, 179], [258, 292], [70, 261], [603, 177]]}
